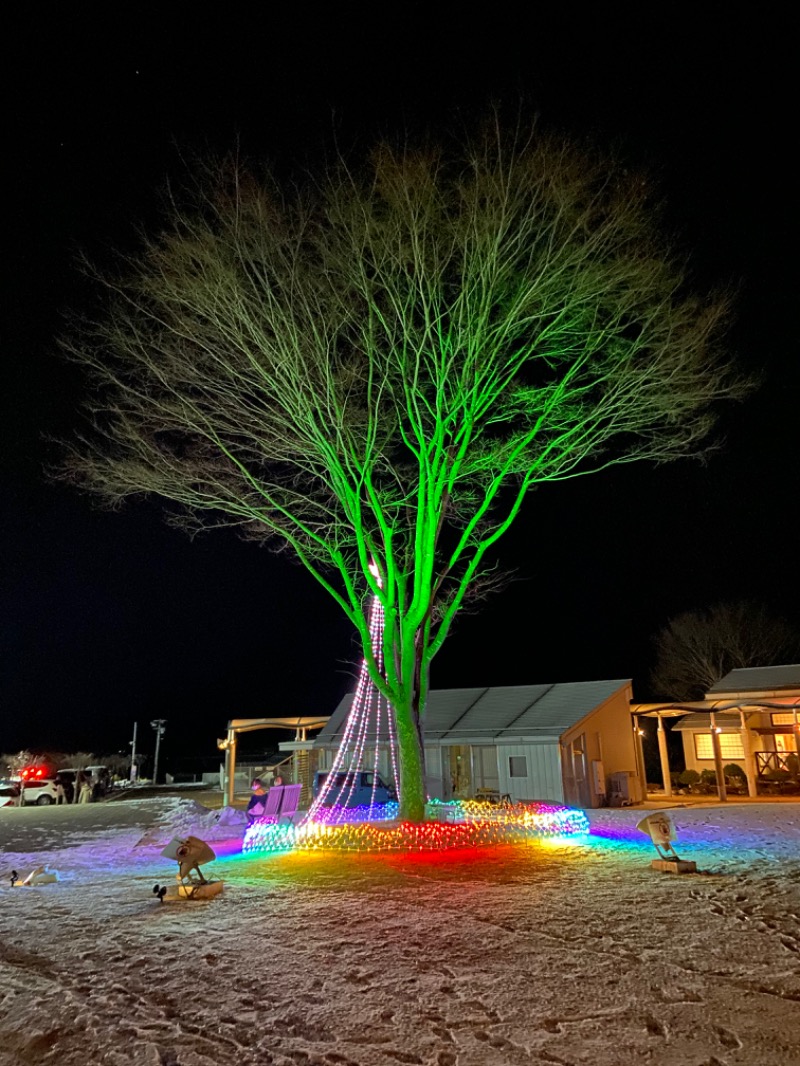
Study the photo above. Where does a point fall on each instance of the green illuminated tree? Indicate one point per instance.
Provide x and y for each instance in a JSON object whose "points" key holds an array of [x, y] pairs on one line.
{"points": [[382, 364]]}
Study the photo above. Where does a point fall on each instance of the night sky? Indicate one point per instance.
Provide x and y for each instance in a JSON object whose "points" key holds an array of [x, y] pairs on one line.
{"points": [[111, 618]]}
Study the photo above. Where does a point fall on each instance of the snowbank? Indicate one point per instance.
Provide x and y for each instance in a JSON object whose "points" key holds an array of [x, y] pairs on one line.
{"points": [[187, 817], [553, 953]]}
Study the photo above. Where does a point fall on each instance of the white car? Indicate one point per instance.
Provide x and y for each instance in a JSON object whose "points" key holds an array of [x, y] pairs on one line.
{"points": [[9, 793], [39, 792]]}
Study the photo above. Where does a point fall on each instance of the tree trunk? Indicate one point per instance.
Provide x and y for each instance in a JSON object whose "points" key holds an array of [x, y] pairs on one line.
{"points": [[411, 761]]}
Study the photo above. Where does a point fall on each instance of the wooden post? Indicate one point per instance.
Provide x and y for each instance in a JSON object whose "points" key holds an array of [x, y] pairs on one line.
{"points": [[721, 790], [641, 773], [226, 776], [664, 755], [749, 761], [230, 763]]}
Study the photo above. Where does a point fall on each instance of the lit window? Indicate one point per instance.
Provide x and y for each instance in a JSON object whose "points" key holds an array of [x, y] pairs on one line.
{"points": [[517, 766], [730, 745], [782, 719]]}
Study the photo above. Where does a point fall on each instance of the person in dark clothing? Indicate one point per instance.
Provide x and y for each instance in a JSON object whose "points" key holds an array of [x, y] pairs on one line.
{"points": [[255, 806]]}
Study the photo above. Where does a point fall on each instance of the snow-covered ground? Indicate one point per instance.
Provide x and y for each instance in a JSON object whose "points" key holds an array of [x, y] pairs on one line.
{"points": [[555, 954]]}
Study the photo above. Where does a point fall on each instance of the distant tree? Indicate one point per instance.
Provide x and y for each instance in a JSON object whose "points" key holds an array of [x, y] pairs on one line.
{"points": [[7, 765], [79, 760], [118, 765], [11, 764], [698, 648], [376, 368]]}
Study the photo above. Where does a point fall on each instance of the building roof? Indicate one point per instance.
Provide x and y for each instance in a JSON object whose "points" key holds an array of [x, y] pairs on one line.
{"points": [[758, 679], [728, 723], [246, 725], [505, 713]]}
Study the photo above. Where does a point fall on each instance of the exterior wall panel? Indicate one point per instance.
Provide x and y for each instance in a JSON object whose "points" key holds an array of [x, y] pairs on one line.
{"points": [[435, 781], [543, 764]]}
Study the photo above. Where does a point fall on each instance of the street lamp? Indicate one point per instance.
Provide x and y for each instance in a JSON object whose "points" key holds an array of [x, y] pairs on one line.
{"points": [[132, 746], [159, 725]]}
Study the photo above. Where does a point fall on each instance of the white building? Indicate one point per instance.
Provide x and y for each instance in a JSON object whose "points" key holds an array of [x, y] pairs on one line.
{"points": [[567, 743]]}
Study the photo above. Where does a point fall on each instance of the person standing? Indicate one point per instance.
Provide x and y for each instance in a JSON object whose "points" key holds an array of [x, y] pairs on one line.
{"points": [[85, 789]]}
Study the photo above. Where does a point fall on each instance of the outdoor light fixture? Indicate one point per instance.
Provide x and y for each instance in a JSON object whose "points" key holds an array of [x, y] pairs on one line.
{"points": [[190, 853], [661, 830]]}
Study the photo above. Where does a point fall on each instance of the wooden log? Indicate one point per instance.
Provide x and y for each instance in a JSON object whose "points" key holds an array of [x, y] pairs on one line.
{"points": [[178, 893], [674, 866]]}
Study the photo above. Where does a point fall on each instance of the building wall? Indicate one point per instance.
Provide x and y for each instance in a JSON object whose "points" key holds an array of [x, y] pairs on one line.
{"points": [[690, 756], [759, 742], [542, 765], [608, 738]]}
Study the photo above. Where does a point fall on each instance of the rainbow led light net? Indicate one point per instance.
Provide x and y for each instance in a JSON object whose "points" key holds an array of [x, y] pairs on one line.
{"points": [[374, 812], [457, 824]]}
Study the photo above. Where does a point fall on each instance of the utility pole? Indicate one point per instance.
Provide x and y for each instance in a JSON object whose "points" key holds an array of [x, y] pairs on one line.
{"points": [[158, 724], [132, 775]]}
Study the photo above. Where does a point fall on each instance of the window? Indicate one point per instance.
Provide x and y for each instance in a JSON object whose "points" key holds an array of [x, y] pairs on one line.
{"points": [[517, 766], [782, 719], [730, 745]]}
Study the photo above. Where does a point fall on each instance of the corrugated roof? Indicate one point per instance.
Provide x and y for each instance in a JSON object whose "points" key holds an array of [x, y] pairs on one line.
{"points": [[497, 713], [728, 723], [489, 713], [757, 679]]}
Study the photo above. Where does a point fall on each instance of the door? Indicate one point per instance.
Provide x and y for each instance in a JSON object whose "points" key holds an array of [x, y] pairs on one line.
{"points": [[580, 773], [485, 777], [460, 772]]}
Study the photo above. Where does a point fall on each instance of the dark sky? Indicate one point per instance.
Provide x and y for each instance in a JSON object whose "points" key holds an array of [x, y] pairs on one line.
{"points": [[109, 619]]}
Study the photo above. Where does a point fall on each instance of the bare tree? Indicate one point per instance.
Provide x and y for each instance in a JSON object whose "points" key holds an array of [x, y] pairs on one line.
{"points": [[11, 764], [379, 366], [698, 648]]}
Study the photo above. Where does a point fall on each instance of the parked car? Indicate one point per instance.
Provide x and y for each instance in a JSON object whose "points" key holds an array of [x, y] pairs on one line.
{"points": [[99, 777], [357, 788], [9, 794], [40, 792], [67, 779]]}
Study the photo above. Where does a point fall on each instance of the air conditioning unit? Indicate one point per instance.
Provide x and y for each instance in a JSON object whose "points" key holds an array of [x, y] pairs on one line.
{"points": [[620, 790]]}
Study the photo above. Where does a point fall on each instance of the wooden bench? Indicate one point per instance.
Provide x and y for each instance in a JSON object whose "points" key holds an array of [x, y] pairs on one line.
{"points": [[280, 804]]}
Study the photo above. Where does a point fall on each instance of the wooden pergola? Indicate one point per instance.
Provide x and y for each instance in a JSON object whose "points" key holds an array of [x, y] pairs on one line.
{"points": [[301, 725], [711, 708]]}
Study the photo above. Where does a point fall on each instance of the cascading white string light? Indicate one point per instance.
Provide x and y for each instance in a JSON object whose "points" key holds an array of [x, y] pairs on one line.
{"points": [[364, 723]]}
